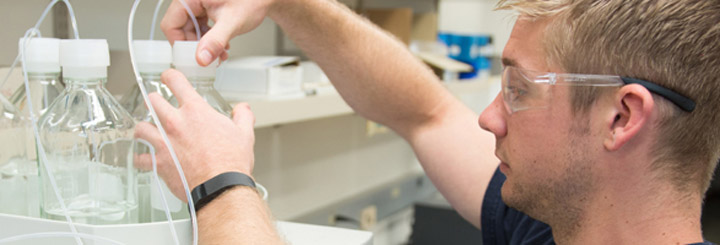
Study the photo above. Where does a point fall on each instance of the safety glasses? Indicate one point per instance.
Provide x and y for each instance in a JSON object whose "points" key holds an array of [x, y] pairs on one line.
{"points": [[524, 89]]}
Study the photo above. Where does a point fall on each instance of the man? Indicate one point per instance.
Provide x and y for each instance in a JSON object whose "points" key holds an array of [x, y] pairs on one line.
{"points": [[623, 158]]}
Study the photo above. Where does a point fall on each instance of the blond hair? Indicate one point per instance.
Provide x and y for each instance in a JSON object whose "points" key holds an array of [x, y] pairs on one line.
{"points": [[674, 43]]}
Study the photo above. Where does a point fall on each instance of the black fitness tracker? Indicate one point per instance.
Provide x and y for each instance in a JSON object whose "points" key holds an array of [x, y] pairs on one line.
{"points": [[212, 188]]}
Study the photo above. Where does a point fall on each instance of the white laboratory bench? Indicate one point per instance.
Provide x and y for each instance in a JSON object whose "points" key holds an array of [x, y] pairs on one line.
{"points": [[159, 233]]}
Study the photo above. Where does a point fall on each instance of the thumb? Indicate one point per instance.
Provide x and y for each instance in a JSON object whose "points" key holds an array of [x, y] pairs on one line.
{"points": [[212, 44], [243, 116]]}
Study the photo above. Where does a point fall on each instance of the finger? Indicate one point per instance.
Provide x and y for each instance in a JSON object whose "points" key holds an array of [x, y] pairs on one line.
{"points": [[180, 87], [212, 45], [243, 116], [164, 110], [174, 21], [190, 32], [149, 133], [143, 162], [224, 56]]}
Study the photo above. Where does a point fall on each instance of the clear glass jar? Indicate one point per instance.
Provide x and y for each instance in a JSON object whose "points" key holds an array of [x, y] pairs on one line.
{"points": [[204, 87], [150, 208], [44, 89], [18, 174], [88, 139], [133, 100]]}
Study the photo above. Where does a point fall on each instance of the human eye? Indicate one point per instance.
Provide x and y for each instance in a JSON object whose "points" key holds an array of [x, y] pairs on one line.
{"points": [[515, 93]]}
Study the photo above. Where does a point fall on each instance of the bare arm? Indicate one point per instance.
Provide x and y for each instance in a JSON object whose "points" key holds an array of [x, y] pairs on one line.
{"points": [[381, 80], [377, 76], [238, 216]]}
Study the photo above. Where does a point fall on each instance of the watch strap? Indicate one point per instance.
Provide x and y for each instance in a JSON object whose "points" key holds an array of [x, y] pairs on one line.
{"points": [[212, 188]]}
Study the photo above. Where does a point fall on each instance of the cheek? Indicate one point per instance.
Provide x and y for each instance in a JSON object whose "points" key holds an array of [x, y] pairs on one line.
{"points": [[536, 147]]}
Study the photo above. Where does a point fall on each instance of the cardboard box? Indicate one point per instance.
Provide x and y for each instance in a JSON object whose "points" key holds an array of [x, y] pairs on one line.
{"points": [[425, 27], [260, 75], [397, 21]]}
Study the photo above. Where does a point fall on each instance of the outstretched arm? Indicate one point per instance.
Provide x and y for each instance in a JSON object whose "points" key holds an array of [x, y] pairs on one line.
{"points": [[377, 76]]}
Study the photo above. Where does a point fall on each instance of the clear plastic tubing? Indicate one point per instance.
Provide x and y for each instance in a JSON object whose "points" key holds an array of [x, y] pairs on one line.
{"points": [[40, 148], [154, 19], [41, 151], [141, 85], [162, 195]]}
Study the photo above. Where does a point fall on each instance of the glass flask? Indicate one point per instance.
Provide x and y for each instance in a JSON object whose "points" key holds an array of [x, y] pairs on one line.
{"points": [[151, 59], [88, 139], [19, 174], [201, 78]]}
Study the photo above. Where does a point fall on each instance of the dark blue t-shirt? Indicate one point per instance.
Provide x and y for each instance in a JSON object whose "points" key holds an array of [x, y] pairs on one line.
{"points": [[505, 225]]}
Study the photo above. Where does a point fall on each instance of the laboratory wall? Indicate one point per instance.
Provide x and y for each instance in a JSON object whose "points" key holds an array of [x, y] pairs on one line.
{"points": [[18, 17]]}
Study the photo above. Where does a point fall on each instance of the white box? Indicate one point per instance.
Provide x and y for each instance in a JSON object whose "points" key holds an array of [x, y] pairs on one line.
{"points": [[259, 76]]}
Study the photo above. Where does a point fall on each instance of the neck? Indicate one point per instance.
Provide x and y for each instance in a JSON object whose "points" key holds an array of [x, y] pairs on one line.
{"points": [[624, 215]]}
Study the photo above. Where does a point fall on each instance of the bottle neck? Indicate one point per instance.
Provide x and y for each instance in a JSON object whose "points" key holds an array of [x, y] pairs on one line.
{"points": [[43, 76], [149, 78], [201, 82], [85, 83]]}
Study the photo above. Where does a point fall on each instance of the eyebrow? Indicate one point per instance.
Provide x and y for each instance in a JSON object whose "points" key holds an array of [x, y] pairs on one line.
{"points": [[509, 62]]}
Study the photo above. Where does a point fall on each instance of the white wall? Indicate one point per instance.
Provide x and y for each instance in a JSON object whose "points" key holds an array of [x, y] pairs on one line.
{"points": [[17, 17]]}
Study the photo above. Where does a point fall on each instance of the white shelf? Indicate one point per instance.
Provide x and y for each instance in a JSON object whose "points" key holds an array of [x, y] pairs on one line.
{"points": [[277, 112]]}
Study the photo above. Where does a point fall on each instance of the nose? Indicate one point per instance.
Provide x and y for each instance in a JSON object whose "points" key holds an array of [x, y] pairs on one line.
{"points": [[493, 117]]}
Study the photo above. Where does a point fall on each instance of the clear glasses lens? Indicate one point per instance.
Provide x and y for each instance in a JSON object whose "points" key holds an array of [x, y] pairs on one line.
{"points": [[521, 92]]}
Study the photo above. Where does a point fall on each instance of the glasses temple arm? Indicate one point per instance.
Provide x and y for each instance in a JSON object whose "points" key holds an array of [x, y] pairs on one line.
{"points": [[682, 101]]}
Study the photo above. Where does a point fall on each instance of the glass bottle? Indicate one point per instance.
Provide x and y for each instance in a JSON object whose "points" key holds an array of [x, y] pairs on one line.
{"points": [[201, 78], [151, 58], [15, 177], [88, 139], [20, 174]]}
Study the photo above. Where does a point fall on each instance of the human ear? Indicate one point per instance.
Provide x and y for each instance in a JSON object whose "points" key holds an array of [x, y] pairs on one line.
{"points": [[632, 107]]}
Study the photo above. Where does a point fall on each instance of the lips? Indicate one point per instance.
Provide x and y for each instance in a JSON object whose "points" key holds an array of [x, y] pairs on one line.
{"points": [[504, 167]]}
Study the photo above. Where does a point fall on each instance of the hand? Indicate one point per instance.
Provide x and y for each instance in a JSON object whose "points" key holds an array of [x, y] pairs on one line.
{"points": [[206, 142], [231, 18]]}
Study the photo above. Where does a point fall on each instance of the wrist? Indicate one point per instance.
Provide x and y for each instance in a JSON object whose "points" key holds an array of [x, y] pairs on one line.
{"points": [[213, 188], [197, 180]]}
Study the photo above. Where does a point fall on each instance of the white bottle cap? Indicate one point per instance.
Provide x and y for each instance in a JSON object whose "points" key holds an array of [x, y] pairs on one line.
{"points": [[42, 54], [84, 58], [152, 56], [185, 62]]}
